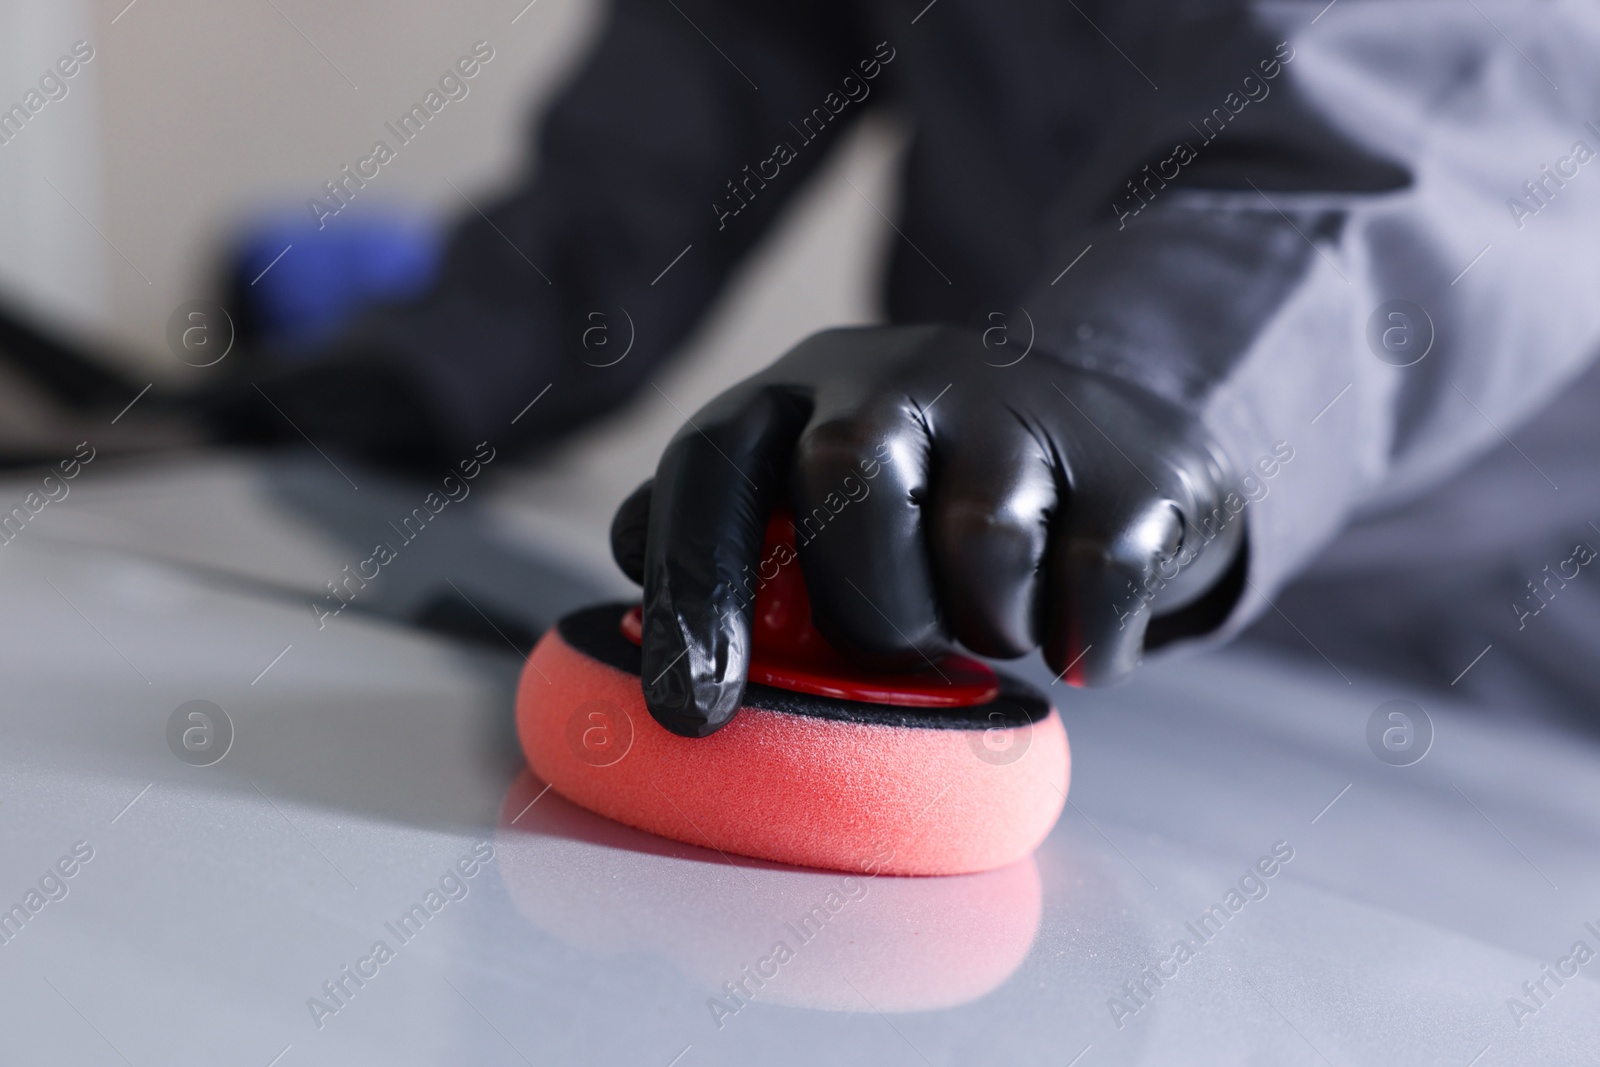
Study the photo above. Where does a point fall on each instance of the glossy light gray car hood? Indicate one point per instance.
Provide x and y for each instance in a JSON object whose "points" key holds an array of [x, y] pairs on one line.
{"points": [[371, 757]]}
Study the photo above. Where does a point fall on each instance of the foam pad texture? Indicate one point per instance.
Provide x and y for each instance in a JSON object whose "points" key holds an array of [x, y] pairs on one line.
{"points": [[794, 778]]}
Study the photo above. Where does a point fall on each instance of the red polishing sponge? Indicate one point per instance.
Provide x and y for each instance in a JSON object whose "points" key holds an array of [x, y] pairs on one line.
{"points": [[796, 777]]}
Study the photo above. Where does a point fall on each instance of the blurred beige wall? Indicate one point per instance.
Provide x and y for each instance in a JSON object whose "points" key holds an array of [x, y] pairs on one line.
{"points": [[51, 169]]}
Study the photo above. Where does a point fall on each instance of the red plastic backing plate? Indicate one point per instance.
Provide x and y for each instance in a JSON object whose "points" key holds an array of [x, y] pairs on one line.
{"points": [[789, 653]]}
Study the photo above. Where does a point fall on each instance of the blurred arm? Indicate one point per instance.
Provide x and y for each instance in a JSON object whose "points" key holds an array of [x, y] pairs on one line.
{"points": [[652, 158]]}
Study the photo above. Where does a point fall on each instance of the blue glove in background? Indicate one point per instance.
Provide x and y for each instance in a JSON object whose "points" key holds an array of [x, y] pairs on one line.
{"points": [[303, 299]]}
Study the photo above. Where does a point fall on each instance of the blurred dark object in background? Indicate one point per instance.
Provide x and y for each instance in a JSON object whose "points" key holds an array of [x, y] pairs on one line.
{"points": [[54, 396], [292, 289]]}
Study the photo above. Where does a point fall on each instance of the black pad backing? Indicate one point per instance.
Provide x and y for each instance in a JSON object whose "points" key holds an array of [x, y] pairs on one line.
{"points": [[596, 632]]}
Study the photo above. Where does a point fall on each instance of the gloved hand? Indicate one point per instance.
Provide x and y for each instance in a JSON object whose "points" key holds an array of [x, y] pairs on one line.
{"points": [[937, 498]]}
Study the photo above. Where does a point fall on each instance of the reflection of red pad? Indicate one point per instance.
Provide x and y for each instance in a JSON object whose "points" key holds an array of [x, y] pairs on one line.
{"points": [[885, 944], [795, 777]]}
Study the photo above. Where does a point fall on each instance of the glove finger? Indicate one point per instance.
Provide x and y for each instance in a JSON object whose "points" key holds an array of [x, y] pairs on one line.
{"points": [[990, 505], [629, 529], [714, 490], [858, 485], [1101, 556]]}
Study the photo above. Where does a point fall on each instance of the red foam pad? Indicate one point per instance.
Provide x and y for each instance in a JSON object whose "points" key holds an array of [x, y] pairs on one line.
{"points": [[886, 793]]}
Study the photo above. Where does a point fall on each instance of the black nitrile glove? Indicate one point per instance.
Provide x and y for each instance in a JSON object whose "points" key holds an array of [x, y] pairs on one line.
{"points": [[936, 498]]}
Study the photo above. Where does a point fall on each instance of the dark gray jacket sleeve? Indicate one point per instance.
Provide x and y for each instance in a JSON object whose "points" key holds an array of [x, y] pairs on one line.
{"points": [[648, 187], [1306, 203]]}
